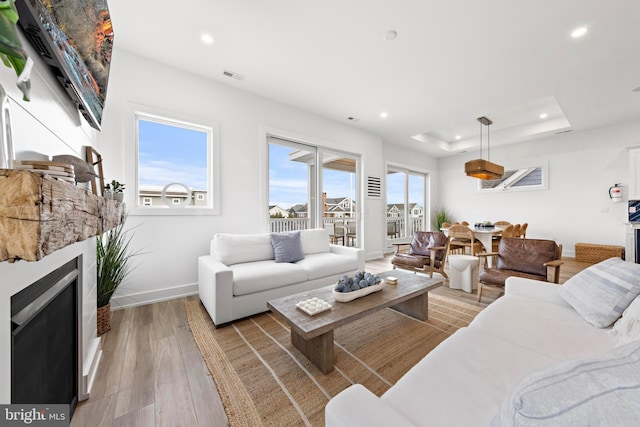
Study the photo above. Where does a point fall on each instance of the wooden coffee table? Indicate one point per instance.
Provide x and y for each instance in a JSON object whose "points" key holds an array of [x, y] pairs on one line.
{"points": [[313, 335]]}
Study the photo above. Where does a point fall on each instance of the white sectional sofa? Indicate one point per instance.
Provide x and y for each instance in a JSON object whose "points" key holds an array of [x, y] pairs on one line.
{"points": [[487, 373], [240, 274]]}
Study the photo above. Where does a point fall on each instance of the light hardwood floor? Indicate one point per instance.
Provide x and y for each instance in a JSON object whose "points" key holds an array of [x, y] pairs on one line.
{"points": [[152, 373]]}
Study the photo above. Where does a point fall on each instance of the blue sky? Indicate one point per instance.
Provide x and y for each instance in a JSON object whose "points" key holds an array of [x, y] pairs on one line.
{"points": [[171, 154], [288, 179]]}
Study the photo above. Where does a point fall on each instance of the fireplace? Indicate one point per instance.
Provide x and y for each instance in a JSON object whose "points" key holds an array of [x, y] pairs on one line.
{"points": [[45, 339]]}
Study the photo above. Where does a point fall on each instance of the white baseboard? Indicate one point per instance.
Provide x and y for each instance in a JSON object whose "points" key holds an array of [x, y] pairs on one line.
{"points": [[373, 255], [90, 369], [148, 297]]}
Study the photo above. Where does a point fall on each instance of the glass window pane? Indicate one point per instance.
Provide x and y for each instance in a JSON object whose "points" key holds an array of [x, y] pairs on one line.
{"points": [[416, 203], [339, 198], [172, 152], [395, 204]]}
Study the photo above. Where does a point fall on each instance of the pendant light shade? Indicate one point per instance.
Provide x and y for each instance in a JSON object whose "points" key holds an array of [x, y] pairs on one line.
{"points": [[480, 168]]}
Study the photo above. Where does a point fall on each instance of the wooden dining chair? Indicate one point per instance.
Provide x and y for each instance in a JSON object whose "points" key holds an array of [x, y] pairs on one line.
{"points": [[461, 237], [501, 223], [506, 232], [523, 230], [445, 225], [338, 232], [516, 230]]}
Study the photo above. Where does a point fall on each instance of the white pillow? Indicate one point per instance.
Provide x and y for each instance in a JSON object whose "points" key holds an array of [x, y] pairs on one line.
{"points": [[603, 291], [315, 240], [603, 390], [627, 328]]}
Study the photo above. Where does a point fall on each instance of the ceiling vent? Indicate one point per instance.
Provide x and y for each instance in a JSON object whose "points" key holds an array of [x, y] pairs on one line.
{"points": [[233, 75], [353, 119]]}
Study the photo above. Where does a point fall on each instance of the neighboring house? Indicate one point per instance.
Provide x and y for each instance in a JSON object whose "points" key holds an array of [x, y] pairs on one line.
{"points": [[298, 211], [339, 207], [276, 211], [152, 196], [397, 210]]}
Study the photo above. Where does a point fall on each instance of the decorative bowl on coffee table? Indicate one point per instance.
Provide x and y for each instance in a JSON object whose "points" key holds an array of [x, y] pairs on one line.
{"points": [[350, 296]]}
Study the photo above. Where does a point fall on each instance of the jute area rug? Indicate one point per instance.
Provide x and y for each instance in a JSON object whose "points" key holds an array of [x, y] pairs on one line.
{"points": [[263, 380]]}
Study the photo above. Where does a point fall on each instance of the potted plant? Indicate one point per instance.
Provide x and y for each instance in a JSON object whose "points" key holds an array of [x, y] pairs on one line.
{"points": [[113, 262], [118, 190], [12, 53], [440, 216]]}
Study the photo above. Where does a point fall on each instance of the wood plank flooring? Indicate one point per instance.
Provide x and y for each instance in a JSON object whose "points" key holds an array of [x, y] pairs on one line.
{"points": [[152, 373]]}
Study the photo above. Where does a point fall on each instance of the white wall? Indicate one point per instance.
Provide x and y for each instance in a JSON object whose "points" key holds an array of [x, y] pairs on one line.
{"points": [[46, 126], [174, 243], [575, 208]]}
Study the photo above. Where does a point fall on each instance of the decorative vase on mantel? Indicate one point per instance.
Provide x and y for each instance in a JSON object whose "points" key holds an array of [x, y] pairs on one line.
{"points": [[103, 319]]}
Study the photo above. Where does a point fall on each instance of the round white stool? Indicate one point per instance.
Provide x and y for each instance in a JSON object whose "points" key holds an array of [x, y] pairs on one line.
{"points": [[463, 272]]}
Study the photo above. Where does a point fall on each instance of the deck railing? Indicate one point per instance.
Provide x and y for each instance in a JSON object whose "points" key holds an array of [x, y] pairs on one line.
{"points": [[277, 225]]}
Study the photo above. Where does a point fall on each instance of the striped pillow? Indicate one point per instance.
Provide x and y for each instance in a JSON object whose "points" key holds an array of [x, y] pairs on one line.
{"points": [[599, 391], [603, 291]]}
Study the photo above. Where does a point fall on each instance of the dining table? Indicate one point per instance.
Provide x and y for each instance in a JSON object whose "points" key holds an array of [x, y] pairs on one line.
{"points": [[483, 234]]}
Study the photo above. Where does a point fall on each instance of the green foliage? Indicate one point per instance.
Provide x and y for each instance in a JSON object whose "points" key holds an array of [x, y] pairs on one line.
{"points": [[116, 187], [440, 216], [11, 52], [113, 261]]}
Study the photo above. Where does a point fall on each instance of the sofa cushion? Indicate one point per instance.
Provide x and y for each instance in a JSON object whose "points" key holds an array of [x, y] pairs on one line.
{"points": [[327, 264], [600, 391], [232, 249], [601, 293], [627, 328], [315, 240], [543, 327], [287, 246], [526, 255], [463, 381], [258, 276]]}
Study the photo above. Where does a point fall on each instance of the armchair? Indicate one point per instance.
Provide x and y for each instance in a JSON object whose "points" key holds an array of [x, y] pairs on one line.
{"points": [[530, 258], [427, 251]]}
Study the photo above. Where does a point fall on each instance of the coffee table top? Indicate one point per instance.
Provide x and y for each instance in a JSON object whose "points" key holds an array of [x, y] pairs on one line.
{"points": [[409, 286]]}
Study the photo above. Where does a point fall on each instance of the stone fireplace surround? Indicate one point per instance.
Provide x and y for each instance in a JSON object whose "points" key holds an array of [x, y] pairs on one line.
{"points": [[14, 277]]}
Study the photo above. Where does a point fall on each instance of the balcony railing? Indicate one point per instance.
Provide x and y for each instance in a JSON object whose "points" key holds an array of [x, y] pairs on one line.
{"points": [[277, 225]]}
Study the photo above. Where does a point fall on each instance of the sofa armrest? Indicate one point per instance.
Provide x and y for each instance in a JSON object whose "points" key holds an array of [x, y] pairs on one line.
{"points": [[356, 253], [356, 406], [215, 287], [543, 291]]}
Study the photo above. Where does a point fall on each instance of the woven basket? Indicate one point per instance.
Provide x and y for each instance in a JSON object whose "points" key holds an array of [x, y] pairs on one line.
{"points": [[104, 319], [593, 253]]}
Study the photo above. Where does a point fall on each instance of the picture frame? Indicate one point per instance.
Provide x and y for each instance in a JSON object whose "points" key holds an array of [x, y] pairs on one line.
{"points": [[97, 182], [6, 142]]}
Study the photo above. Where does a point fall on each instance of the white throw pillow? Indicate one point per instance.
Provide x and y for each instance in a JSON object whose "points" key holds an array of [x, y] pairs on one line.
{"points": [[603, 291], [603, 390], [627, 328]]}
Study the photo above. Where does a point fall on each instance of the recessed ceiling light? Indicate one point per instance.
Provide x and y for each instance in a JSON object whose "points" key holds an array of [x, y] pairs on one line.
{"points": [[206, 38], [458, 137], [390, 35], [384, 114], [544, 115], [579, 32]]}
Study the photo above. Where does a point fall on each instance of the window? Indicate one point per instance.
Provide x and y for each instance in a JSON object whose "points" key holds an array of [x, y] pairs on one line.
{"points": [[175, 166], [406, 199], [522, 179]]}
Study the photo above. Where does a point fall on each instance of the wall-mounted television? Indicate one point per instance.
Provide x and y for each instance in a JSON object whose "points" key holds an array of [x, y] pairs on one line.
{"points": [[75, 38]]}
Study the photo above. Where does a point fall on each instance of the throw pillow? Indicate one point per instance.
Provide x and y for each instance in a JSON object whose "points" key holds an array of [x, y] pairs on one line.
{"points": [[287, 247], [603, 291], [599, 391], [627, 328]]}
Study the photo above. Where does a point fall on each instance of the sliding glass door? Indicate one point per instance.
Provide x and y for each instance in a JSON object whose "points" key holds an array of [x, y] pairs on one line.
{"points": [[302, 195], [406, 202]]}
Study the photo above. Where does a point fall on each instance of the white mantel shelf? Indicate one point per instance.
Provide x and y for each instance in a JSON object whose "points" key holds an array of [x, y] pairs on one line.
{"points": [[40, 214]]}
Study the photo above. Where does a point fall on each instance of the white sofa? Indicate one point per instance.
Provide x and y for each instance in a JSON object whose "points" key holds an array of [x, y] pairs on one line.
{"points": [[465, 380], [240, 274]]}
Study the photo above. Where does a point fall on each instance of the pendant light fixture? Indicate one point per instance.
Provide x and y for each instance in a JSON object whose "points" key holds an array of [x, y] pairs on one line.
{"points": [[480, 168]]}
